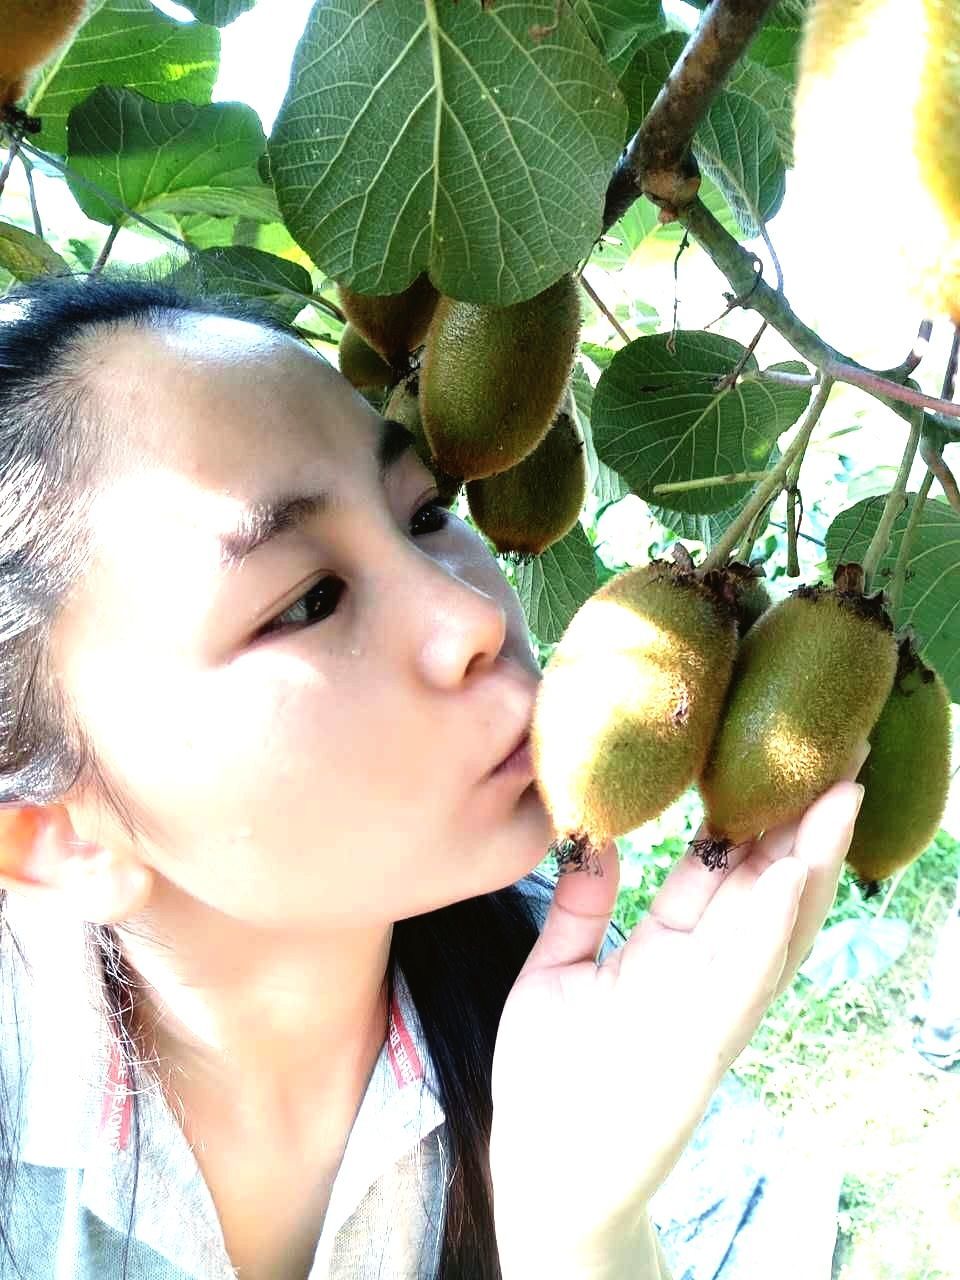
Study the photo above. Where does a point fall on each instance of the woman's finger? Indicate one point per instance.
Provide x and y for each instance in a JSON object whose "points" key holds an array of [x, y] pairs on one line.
{"points": [[745, 967], [579, 913]]}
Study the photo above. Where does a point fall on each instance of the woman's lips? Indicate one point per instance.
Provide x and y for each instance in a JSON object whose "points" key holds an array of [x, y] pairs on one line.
{"points": [[520, 760]]}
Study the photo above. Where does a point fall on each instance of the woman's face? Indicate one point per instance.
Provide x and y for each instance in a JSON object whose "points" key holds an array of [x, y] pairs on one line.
{"points": [[305, 732]]}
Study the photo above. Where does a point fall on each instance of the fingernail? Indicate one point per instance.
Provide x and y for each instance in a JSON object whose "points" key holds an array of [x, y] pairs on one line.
{"points": [[861, 792]]}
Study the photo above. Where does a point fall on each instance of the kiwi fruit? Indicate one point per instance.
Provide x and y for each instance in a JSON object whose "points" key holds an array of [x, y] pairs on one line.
{"points": [[810, 680], [403, 405], [877, 108], [629, 702], [360, 364], [31, 31], [906, 776], [751, 597], [394, 324], [493, 377], [529, 507]]}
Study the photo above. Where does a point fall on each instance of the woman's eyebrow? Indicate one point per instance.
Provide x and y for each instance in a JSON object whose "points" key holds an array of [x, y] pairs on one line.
{"points": [[264, 520]]}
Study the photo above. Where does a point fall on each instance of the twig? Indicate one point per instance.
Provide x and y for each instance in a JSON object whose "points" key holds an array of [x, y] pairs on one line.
{"points": [[105, 251], [602, 306], [917, 352], [950, 376], [753, 533], [775, 524], [793, 558], [730, 379], [899, 575], [34, 207], [869, 381], [773, 253], [781, 378], [672, 338], [894, 505], [930, 453], [657, 160], [773, 483], [15, 145], [705, 482], [736, 263]]}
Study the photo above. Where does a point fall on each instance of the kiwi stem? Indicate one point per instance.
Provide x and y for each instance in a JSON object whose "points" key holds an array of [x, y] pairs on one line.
{"points": [[906, 544], [894, 505], [768, 489], [601, 306], [705, 482], [753, 533]]}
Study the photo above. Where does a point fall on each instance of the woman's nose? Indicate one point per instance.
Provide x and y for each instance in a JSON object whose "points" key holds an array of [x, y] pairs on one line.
{"points": [[456, 611]]}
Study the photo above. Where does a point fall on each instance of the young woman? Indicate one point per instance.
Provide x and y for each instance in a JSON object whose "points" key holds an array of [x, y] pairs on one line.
{"points": [[277, 999]]}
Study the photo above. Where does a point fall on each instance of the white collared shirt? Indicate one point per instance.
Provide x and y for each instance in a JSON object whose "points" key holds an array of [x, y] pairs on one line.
{"points": [[74, 1183]]}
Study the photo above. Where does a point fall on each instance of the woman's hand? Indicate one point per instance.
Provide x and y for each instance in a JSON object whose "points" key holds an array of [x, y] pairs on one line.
{"points": [[602, 1073]]}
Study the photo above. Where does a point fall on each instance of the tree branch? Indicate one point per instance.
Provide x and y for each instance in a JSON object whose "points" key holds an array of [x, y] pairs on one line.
{"points": [[657, 161], [736, 263], [768, 489]]}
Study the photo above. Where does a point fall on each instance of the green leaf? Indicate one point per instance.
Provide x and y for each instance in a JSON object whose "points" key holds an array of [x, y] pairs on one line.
{"points": [[931, 593], [736, 145], [167, 156], [659, 418], [554, 585], [25, 255], [217, 12], [286, 286], [771, 95], [777, 44], [705, 529], [626, 235], [605, 483], [617, 26], [449, 139], [131, 44]]}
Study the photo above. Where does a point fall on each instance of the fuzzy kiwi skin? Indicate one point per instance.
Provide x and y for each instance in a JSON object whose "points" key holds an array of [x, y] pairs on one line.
{"points": [[906, 776], [751, 597], [493, 377], [360, 364], [879, 84], [403, 405], [529, 507], [394, 324], [810, 680], [630, 699]]}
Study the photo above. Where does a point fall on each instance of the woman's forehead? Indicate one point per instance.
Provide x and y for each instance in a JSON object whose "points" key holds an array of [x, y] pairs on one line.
{"points": [[211, 418], [220, 396]]}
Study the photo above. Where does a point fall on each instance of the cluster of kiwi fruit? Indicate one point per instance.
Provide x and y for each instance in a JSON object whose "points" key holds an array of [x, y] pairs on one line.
{"points": [[485, 391], [669, 676]]}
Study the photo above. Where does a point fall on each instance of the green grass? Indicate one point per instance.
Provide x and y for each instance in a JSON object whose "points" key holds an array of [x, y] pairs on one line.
{"points": [[842, 1069]]}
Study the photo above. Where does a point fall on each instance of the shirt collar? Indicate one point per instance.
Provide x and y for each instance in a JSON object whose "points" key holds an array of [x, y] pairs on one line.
{"points": [[76, 1103]]}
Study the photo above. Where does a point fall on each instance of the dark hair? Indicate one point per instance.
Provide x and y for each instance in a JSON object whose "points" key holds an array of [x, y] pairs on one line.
{"points": [[459, 962]]}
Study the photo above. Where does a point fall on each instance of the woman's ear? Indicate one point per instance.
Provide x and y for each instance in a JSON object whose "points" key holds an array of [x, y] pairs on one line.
{"points": [[42, 856]]}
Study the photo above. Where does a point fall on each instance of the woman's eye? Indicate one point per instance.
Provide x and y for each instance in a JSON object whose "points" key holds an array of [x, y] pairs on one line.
{"points": [[321, 600]]}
